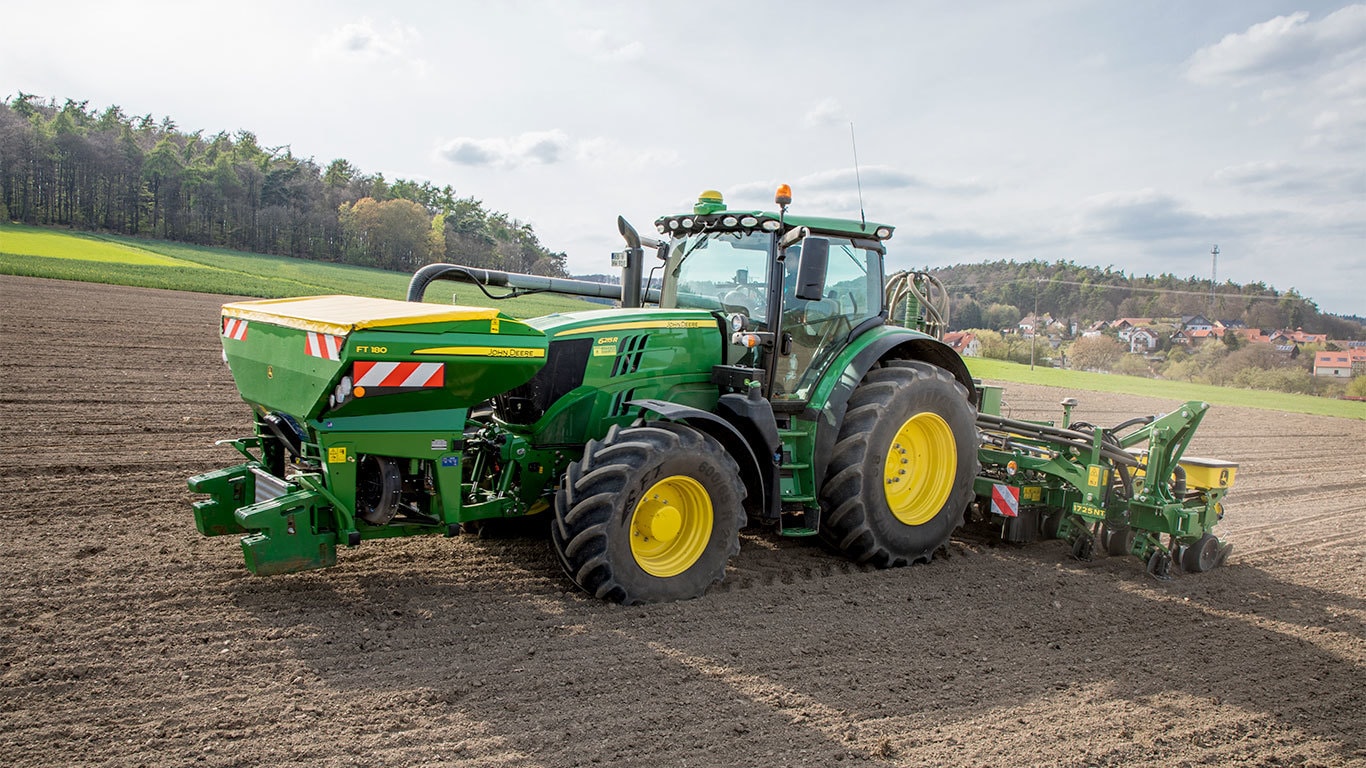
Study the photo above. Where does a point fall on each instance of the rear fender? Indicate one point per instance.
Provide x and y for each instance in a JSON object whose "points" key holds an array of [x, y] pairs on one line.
{"points": [[905, 345]]}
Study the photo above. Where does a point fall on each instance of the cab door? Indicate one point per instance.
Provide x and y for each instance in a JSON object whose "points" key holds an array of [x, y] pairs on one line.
{"points": [[813, 332]]}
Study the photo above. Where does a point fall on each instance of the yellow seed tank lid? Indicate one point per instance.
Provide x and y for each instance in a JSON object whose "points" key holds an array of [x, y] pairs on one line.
{"points": [[340, 315]]}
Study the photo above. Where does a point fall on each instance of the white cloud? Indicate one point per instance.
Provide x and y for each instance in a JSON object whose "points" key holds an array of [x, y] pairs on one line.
{"points": [[601, 45], [885, 177], [1287, 179], [824, 112], [531, 148], [839, 187], [364, 41], [1286, 46], [603, 152], [554, 147], [1139, 215], [1342, 127]]}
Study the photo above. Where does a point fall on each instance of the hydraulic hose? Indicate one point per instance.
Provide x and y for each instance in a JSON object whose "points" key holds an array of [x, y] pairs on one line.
{"points": [[1066, 437]]}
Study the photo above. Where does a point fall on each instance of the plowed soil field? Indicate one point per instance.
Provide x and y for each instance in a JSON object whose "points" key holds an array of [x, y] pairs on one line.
{"points": [[126, 638]]}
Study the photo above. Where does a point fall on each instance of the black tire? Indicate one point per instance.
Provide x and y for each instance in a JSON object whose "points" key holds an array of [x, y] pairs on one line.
{"points": [[1202, 555], [1050, 524], [858, 516], [1119, 541], [601, 495], [1084, 547]]}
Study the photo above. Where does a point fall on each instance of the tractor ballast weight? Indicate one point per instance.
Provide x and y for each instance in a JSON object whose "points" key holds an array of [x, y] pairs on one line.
{"points": [[752, 377]]}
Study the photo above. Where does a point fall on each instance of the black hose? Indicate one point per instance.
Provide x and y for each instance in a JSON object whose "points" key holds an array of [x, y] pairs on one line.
{"points": [[1123, 425], [1178, 481], [417, 287], [1065, 437]]}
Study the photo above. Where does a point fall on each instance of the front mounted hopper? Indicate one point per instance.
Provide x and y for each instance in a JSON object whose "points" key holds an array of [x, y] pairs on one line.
{"points": [[361, 408]]}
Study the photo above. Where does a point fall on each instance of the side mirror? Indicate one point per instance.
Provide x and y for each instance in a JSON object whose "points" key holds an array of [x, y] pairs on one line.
{"points": [[811, 269]]}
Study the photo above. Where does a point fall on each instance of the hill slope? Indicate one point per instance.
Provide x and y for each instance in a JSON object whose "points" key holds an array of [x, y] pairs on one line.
{"points": [[39, 252]]}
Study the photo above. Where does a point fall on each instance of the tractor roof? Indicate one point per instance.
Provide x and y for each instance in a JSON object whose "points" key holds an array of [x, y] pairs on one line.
{"points": [[710, 213]]}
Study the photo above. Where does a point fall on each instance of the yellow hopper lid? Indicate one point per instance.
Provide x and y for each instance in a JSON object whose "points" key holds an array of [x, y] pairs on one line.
{"points": [[340, 315]]}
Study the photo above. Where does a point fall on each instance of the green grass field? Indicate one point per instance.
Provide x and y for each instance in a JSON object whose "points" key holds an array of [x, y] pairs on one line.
{"points": [[1000, 370], [39, 252], [50, 244]]}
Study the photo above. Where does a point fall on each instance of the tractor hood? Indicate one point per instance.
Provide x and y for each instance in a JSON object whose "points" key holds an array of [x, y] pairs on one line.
{"points": [[353, 356]]}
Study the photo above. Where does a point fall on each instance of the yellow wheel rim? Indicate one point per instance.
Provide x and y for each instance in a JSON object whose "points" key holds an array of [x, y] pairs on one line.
{"points": [[671, 526], [921, 464]]}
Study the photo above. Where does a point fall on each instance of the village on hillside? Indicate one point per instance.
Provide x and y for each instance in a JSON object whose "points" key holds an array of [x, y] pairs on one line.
{"points": [[1158, 339]]}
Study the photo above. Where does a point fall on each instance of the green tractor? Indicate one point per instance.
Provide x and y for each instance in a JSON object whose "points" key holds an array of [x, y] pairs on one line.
{"points": [[750, 377]]}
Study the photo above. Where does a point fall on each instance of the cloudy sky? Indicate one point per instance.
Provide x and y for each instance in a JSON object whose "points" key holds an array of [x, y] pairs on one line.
{"points": [[1131, 134]]}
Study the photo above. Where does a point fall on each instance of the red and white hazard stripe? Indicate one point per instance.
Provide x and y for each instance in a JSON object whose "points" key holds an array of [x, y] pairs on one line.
{"points": [[235, 328], [324, 345], [410, 375], [1005, 500]]}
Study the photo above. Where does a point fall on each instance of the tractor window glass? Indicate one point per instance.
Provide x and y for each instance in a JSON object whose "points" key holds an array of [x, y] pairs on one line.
{"points": [[818, 329], [723, 271], [853, 280]]}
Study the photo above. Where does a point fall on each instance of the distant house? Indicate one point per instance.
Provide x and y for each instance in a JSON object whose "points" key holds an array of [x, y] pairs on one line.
{"points": [[964, 343], [1142, 339], [1200, 337], [1031, 324], [1126, 325], [1182, 338], [1346, 343], [1252, 335], [1289, 349], [1229, 324], [1298, 336], [1195, 323], [1335, 364]]}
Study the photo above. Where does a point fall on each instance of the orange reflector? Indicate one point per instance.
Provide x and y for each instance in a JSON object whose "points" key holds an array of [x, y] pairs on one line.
{"points": [[358, 391], [1012, 468]]}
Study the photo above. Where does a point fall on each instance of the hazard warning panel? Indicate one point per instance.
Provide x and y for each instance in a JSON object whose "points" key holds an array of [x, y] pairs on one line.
{"points": [[324, 345], [398, 375], [1005, 500], [235, 328]]}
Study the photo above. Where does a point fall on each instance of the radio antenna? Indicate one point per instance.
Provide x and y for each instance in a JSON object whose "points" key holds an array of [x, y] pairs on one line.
{"points": [[862, 218]]}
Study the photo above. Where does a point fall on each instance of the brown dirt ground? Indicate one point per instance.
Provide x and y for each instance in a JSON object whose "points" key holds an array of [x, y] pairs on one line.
{"points": [[128, 639]]}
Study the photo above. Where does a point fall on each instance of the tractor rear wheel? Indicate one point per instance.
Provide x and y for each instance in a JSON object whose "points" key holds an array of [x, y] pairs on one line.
{"points": [[901, 473], [649, 514]]}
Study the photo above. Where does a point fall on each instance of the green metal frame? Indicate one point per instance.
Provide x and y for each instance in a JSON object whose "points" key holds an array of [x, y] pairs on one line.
{"points": [[1077, 483]]}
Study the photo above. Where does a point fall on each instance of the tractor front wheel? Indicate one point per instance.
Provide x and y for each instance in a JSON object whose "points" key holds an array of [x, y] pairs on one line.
{"points": [[901, 473], [649, 514]]}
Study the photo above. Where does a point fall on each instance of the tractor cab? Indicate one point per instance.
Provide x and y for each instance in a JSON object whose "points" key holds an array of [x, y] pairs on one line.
{"points": [[794, 290]]}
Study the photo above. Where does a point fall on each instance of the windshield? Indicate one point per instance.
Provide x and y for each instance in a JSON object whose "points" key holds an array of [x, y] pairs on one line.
{"points": [[724, 271]]}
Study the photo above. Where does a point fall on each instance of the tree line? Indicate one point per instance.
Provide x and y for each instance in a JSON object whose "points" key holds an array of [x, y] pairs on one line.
{"points": [[997, 294], [71, 165]]}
